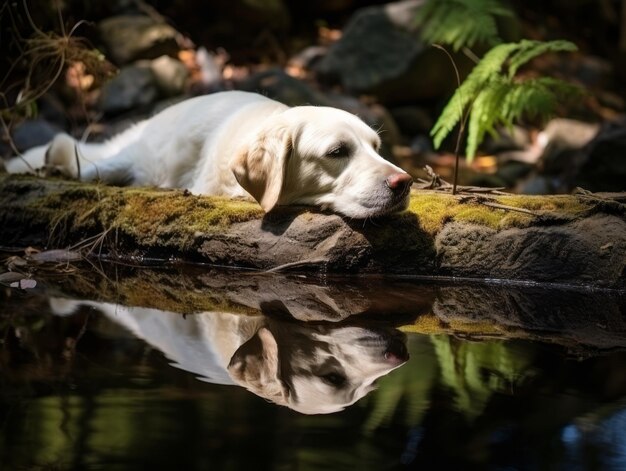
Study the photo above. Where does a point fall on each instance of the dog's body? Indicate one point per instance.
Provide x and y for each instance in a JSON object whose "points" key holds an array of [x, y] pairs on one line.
{"points": [[311, 368], [237, 144]]}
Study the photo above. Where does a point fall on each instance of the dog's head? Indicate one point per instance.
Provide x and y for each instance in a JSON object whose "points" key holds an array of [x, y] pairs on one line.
{"points": [[316, 370], [323, 157]]}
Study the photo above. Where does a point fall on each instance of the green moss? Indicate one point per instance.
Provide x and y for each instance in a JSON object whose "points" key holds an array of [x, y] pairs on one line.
{"points": [[435, 209], [555, 203], [174, 218], [150, 216]]}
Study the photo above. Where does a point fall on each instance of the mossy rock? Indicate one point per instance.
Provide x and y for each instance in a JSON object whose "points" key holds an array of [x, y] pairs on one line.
{"points": [[562, 239]]}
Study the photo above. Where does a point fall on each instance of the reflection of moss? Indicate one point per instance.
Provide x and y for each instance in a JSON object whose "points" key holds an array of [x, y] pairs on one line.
{"points": [[431, 324], [166, 291]]}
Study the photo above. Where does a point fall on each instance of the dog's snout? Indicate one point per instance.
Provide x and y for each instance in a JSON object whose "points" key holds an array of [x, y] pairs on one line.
{"points": [[399, 182]]}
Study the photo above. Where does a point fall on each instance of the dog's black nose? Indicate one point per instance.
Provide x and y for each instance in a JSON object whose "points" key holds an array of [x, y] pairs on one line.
{"points": [[399, 182]]}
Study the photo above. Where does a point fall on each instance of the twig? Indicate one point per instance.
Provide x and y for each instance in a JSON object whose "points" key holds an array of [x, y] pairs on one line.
{"points": [[459, 136], [507, 208]]}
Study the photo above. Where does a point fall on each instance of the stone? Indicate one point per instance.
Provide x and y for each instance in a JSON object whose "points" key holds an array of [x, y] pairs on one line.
{"points": [[380, 53], [412, 120], [170, 74], [134, 88], [32, 133], [278, 85], [591, 250], [568, 239], [604, 161], [131, 37]]}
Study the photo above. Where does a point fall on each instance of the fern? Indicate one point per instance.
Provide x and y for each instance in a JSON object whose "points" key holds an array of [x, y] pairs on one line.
{"points": [[488, 68], [528, 50], [493, 96], [461, 23]]}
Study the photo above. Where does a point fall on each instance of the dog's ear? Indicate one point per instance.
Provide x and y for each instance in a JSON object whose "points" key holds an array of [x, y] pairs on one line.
{"points": [[255, 367], [260, 167]]}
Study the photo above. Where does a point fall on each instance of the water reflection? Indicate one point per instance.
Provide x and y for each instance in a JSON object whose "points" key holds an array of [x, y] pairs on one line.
{"points": [[311, 368], [498, 377]]}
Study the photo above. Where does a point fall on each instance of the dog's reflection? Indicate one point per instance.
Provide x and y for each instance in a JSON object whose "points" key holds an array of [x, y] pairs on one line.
{"points": [[312, 368]]}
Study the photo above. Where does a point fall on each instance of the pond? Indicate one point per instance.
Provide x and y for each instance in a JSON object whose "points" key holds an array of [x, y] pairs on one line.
{"points": [[123, 368]]}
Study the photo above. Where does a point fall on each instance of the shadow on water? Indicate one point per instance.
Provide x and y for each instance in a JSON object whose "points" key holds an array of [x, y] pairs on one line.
{"points": [[122, 367]]}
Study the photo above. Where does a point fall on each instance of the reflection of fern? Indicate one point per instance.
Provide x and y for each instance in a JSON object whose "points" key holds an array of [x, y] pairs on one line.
{"points": [[492, 95], [461, 23], [475, 371]]}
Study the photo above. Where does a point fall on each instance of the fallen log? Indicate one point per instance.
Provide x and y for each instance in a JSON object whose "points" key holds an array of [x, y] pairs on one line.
{"points": [[571, 239]]}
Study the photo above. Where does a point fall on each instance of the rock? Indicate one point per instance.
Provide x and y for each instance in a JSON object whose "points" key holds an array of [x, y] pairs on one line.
{"points": [[562, 141], [135, 87], [516, 138], [577, 154], [566, 239], [538, 185], [590, 71], [170, 74], [513, 171], [412, 121], [131, 37], [247, 29], [32, 133], [604, 161], [307, 58], [380, 54], [552, 253], [280, 86]]}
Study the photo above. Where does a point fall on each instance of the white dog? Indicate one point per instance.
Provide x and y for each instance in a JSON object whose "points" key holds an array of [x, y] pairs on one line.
{"points": [[238, 144], [310, 368]]}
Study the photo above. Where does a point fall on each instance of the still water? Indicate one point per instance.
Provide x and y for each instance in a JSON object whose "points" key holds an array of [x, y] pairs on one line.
{"points": [[196, 369]]}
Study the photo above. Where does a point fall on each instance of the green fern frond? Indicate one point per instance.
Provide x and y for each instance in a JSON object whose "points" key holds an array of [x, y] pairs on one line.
{"points": [[491, 96], [488, 68], [530, 49], [485, 115], [461, 23]]}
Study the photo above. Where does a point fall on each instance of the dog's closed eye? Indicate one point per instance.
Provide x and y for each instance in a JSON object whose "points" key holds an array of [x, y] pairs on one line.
{"points": [[340, 150], [334, 379]]}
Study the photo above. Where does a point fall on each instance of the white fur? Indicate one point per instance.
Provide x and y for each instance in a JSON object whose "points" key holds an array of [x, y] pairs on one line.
{"points": [[238, 144]]}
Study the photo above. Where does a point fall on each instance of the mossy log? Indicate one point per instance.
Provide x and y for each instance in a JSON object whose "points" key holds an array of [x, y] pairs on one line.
{"points": [[579, 239]]}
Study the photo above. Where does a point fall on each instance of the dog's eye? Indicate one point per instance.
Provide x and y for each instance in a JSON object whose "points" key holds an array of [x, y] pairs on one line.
{"points": [[334, 379], [342, 150]]}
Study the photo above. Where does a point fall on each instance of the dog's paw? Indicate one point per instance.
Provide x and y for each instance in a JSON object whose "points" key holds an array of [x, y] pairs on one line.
{"points": [[62, 157]]}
